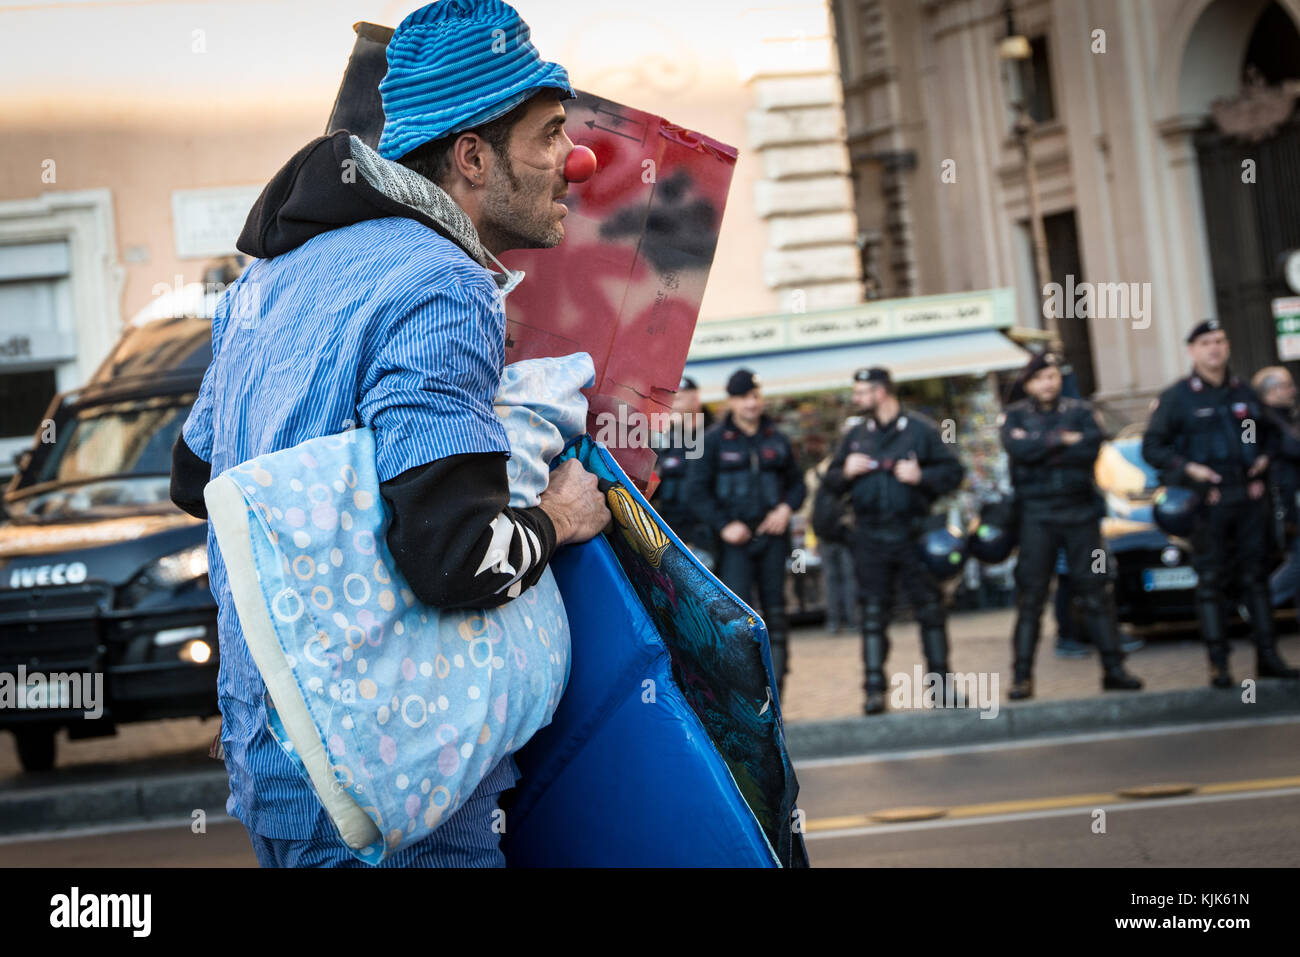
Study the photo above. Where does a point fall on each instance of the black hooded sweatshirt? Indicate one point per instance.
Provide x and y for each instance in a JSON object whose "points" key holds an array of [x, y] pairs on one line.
{"points": [[444, 514]]}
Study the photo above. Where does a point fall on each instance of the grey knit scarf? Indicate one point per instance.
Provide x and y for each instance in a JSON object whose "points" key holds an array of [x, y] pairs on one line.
{"points": [[411, 189]]}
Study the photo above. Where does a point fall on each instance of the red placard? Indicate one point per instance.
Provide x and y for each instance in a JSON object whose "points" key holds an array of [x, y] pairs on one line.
{"points": [[626, 283]]}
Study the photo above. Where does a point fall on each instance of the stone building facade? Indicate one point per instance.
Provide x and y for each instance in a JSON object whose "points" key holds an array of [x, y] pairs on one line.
{"points": [[1159, 178]]}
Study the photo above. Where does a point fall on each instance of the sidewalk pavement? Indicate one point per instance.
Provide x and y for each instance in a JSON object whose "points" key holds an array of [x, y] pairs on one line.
{"points": [[826, 674], [824, 696], [160, 770], [825, 683]]}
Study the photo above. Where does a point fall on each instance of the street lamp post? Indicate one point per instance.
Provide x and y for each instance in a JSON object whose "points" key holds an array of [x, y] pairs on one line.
{"points": [[1014, 48]]}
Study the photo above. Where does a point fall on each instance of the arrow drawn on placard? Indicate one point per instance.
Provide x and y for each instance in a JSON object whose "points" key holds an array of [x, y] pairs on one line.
{"points": [[592, 124], [618, 120]]}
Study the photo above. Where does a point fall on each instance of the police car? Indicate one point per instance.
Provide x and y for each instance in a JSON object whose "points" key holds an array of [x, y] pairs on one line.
{"points": [[1154, 580], [1152, 572], [103, 581]]}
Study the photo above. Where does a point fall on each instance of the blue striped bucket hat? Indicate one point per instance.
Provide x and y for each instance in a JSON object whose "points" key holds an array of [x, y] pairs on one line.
{"points": [[457, 64]]}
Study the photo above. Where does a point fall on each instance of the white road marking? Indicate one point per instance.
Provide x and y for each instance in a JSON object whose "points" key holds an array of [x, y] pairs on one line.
{"points": [[868, 830]]}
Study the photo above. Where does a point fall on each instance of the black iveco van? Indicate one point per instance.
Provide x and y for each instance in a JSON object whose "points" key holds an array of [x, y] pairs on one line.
{"points": [[100, 574]]}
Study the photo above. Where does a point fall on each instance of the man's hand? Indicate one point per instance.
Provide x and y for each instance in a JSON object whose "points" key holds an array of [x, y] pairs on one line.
{"points": [[736, 533], [1256, 489], [857, 464], [1258, 468], [908, 471], [1202, 473], [574, 504], [1018, 433], [775, 522], [1071, 438]]}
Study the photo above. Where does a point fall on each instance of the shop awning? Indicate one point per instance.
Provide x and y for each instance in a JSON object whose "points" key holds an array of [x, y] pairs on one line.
{"points": [[814, 370]]}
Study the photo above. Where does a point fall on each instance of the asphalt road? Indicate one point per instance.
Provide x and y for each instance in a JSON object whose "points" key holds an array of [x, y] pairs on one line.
{"points": [[1036, 805], [223, 844], [1028, 805]]}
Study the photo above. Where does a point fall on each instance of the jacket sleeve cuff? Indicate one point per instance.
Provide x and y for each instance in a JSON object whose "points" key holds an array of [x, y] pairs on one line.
{"points": [[545, 529], [190, 475]]}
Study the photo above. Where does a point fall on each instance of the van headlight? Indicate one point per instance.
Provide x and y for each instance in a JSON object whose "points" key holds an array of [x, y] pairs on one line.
{"points": [[185, 567], [179, 567]]}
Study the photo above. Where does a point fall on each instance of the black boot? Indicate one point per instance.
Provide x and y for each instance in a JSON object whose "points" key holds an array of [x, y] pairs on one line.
{"points": [[1099, 623], [1268, 663], [934, 645], [1023, 644], [1209, 613], [875, 649]]}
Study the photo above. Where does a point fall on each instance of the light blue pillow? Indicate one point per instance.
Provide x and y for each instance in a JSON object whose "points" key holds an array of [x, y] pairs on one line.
{"points": [[393, 710]]}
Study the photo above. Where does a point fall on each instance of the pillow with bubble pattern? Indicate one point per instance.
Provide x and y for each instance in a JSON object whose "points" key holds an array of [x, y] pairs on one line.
{"points": [[392, 710]]}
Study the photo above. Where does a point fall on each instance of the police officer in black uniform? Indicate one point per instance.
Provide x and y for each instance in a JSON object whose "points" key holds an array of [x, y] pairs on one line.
{"points": [[894, 466], [685, 435], [744, 488], [1209, 433], [1053, 442]]}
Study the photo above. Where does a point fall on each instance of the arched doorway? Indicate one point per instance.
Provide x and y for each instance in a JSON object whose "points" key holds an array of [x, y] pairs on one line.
{"points": [[1248, 158]]}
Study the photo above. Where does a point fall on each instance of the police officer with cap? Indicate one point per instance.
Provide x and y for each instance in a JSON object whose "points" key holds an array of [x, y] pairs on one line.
{"points": [[744, 487], [1209, 433], [894, 465], [1053, 443], [685, 433]]}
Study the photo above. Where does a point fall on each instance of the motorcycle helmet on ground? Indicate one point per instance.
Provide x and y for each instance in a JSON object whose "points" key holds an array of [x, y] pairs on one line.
{"points": [[1174, 510], [943, 551], [994, 534]]}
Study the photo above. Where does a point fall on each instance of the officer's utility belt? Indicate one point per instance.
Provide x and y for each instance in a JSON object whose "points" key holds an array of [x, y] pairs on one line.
{"points": [[1230, 493], [894, 529], [1229, 480]]}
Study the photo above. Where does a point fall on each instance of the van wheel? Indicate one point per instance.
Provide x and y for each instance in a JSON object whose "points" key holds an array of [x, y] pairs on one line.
{"points": [[36, 748]]}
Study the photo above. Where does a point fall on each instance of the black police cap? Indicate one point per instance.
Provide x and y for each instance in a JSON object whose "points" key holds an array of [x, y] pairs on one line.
{"points": [[687, 384], [1036, 365], [1201, 328], [874, 374], [742, 382]]}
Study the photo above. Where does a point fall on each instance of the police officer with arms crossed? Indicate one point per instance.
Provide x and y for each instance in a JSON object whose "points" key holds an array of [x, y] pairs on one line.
{"points": [[894, 466], [1209, 433], [745, 487], [1053, 442]]}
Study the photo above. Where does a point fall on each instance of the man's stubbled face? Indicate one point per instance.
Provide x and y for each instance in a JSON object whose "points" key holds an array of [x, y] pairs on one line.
{"points": [[520, 204], [866, 395]]}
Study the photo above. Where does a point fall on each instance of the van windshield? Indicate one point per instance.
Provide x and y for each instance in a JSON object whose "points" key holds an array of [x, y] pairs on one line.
{"points": [[105, 456]]}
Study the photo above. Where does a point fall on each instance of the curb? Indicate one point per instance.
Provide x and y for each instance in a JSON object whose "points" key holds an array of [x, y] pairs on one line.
{"points": [[158, 797], [845, 737], [161, 797]]}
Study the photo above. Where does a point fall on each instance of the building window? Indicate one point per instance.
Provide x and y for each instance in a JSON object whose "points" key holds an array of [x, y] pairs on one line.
{"points": [[1034, 78], [38, 339], [24, 397]]}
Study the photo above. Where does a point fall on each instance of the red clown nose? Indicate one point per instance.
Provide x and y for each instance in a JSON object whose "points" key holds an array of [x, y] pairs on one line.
{"points": [[580, 165]]}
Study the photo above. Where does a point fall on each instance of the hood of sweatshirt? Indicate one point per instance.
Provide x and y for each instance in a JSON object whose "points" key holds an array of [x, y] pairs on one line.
{"points": [[337, 180]]}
